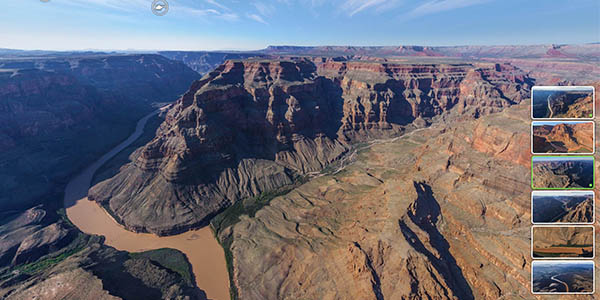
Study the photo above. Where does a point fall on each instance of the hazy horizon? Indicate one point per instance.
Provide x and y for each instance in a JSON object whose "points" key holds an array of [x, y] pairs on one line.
{"points": [[286, 45]]}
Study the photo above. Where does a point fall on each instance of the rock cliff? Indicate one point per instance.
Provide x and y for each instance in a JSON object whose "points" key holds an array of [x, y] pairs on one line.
{"points": [[59, 113], [440, 213], [252, 126]]}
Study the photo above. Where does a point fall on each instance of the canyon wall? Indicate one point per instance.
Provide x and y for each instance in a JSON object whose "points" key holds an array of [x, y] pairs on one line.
{"points": [[440, 213], [253, 126]]}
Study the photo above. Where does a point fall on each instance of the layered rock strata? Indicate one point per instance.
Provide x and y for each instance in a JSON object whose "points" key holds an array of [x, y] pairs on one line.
{"points": [[252, 126], [440, 213]]}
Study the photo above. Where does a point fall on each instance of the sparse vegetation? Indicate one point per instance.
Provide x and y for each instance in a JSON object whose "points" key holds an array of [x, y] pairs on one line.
{"points": [[170, 259], [48, 261], [231, 215]]}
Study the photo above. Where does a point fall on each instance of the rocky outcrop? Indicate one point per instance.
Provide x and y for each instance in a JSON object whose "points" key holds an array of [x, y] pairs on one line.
{"points": [[434, 214], [85, 269], [563, 138], [562, 174], [546, 237], [29, 236], [252, 126], [571, 104], [582, 213], [74, 283]]}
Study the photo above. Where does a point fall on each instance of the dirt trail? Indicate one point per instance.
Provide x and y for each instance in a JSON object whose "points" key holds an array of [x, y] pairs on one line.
{"points": [[201, 248]]}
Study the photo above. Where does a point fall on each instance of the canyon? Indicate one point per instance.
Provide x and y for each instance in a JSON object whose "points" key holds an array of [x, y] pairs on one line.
{"points": [[322, 177], [432, 205], [58, 113], [562, 241], [549, 173], [563, 137], [571, 105], [563, 209], [253, 126]]}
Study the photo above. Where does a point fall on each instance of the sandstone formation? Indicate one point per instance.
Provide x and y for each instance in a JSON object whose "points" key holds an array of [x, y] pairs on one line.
{"points": [[440, 213], [571, 105], [253, 126], [563, 138], [87, 270], [582, 213], [27, 236], [563, 209], [562, 174]]}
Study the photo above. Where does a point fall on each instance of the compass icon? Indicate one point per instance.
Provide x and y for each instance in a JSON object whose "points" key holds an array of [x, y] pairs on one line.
{"points": [[160, 7]]}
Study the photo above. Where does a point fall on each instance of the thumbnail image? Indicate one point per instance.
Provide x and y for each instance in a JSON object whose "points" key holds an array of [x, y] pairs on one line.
{"points": [[562, 102], [562, 277], [562, 137], [562, 172], [562, 241], [562, 206]]}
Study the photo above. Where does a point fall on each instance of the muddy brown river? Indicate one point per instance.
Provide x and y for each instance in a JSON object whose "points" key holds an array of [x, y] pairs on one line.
{"points": [[200, 246]]}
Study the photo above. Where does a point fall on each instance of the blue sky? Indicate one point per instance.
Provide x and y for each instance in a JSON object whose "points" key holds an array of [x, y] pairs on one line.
{"points": [[255, 24], [562, 193], [543, 263]]}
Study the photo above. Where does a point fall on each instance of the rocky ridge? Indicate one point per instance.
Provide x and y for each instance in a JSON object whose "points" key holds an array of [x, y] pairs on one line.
{"points": [[253, 126], [544, 237], [571, 105], [582, 213], [58, 113], [413, 218], [562, 174], [563, 138]]}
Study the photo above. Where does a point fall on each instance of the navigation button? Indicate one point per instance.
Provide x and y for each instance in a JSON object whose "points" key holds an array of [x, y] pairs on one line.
{"points": [[160, 7]]}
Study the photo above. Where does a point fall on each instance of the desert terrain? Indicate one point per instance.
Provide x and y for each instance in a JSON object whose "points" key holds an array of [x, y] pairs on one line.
{"points": [[562, 241], [400, 171], [563, 137], [562, 172], [575, 207], [563, 104], [563, 277]]}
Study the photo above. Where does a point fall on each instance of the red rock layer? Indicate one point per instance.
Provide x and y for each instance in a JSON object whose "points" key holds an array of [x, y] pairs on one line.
{"points": [[286, 118]]}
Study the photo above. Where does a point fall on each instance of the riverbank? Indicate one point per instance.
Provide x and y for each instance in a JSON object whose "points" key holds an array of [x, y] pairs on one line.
{"points": [[200, 246]]}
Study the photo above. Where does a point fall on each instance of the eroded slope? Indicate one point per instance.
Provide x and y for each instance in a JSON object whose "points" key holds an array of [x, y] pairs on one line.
{"points": [[441, 213], [253, 126]]}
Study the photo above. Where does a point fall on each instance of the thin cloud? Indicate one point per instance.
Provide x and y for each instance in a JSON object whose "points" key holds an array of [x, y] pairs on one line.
{"points": [[217, 4], [264, 9], [257, 18], [436, 6], [353, 7], [209, 12]]}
